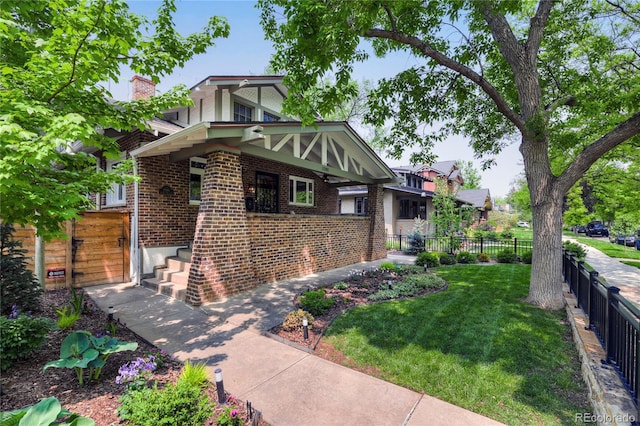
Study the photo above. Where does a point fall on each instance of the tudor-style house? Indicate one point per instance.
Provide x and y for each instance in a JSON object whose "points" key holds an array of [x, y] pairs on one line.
{"points": [[232, 193]]}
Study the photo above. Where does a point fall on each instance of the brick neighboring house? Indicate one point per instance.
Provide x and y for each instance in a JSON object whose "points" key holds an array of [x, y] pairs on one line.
{"points": [[243, 193]]}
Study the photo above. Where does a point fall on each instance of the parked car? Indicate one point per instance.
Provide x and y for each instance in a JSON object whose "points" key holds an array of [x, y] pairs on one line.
{"points": [[580, 229], [596, 228], [523, 224], [624, 240]]}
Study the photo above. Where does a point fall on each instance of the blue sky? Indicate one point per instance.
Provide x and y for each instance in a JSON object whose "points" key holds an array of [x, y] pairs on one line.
{"points": [[246, 52]]}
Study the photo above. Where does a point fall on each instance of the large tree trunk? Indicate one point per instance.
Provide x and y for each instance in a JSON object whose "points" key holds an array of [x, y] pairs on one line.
{"points": [[545, 288]]}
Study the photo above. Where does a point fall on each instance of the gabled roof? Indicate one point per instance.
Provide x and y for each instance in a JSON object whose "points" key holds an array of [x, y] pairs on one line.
{"points": [[242, 81], [331, 149], [478, 198]]}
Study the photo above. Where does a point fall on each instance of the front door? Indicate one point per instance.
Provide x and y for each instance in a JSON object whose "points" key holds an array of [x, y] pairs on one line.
{"points": [[266, 193]]}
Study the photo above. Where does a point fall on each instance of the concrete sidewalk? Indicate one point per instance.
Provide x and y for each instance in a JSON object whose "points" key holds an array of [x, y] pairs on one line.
{"points": [[290, 386]]}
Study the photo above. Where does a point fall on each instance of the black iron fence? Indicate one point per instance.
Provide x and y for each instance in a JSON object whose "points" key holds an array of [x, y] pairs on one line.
{"points": [[613, 318], [491, 246]]}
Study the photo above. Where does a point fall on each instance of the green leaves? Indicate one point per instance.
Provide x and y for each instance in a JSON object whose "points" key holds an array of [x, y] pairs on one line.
{"points": [[54, 104], [46, 412]]}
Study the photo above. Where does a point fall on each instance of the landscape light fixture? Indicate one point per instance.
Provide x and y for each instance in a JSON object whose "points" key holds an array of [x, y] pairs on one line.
{"points": [[220, 386], [110, 314], [305, 327]]}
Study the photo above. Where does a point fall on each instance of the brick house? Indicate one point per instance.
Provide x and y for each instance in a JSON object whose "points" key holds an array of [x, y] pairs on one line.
{"points": [[232, 193]]}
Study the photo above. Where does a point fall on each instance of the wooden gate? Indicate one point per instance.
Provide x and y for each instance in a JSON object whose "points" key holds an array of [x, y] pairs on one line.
{"points": [[96, 251], [100, 248]]}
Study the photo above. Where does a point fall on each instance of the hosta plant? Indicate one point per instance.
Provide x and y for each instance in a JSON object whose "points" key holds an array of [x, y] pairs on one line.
{"points": [[81, 350], [44, 413]]}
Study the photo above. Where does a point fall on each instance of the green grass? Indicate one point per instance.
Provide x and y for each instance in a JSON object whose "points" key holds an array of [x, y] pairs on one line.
{"points": [[631, 263], [611, 249], [476, 345], [522, 233]]}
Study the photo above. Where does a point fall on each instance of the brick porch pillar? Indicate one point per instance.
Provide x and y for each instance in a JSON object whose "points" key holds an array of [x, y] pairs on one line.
{"points": [[377, 237], [221, 256]]}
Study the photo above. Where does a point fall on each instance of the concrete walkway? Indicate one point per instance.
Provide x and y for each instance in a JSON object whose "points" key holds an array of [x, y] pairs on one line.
{"points": [[615, 273], [290, 386]]}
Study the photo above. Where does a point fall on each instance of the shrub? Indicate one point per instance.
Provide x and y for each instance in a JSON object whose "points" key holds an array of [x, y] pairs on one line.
{"points": [[46, 412], [415, 243], [410, 286], [430, 259], [507, 234], [341, 285], [387, 266], [194, 374], [575, 248], [176, 404], [67, 318], [526, 257], [21, 336], [18, 286], [293, 320], [447, 259], [315, 302], [506, 256], [230, 416], [466, 257], [486, 226], [491, 236], [483, 257]]}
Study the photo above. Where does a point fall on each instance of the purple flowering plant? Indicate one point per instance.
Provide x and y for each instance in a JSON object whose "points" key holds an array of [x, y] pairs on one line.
{"points": [[135, 374], [230, 416]]}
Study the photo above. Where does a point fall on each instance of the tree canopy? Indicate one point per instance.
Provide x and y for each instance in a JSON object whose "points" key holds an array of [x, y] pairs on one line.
{"points": [[560, 78], [56, 58]]}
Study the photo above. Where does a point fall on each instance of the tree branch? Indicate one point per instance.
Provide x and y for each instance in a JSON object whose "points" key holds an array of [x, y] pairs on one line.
{"points": [[537, 25], [75, 55], [623, 11], [392, 19], [447, 62], [619, 134]]}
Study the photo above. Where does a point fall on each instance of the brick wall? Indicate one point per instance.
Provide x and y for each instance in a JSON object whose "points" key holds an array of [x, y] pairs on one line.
{"points": [[325, 196], [376, 235], [286, 246]]}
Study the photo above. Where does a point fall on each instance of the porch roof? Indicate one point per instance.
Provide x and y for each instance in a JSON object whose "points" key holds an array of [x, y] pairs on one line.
{"points": [[331, 149]]}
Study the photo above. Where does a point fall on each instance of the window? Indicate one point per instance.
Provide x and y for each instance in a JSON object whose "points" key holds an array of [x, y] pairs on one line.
{"points": [[361, 206], [269, 117], [118, 192], [196, 173], [300, 191], [242, 112], [410, 209]]}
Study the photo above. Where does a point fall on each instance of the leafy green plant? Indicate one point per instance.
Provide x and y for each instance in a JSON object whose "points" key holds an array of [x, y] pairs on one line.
{"points": [[410, 286], [194, 374], [316, 302], [135, 374], [484, 258], [176, 404], [466, 257], [341, 285], [293, 321], [76, 301], [447, 259], [46, 412], [81, 350], [430, 259], [387, 266], [18, 286], [491, 236], [507, 234], [111, 328], [526, 257], [230, 416], [66, 317], [506, 256], [21, 336], [575, 248]]}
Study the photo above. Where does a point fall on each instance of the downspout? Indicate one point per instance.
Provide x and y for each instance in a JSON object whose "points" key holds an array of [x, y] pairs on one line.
{"points": [[135, 247]]}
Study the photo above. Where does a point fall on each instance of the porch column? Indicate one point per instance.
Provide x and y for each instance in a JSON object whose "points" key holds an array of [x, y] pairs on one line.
{"points": [[221, 256], [377, 237]]}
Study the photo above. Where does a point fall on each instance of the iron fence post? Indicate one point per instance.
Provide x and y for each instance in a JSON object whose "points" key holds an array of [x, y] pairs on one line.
{"points": [[580, 268], [481, 245], [611, 300], [593, 282], [400, 241], [515, 245]]}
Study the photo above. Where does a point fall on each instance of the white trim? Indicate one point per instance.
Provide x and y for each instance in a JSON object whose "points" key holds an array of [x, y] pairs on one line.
{"points": [[196, 171], [310, 192], [117, 194]]}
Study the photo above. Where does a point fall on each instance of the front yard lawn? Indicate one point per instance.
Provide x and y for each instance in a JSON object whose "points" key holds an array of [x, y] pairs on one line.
{"points": [[611, 249], [476, 345]]}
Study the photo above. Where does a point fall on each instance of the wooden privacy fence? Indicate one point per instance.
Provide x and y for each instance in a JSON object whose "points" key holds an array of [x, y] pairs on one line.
{"points": [[96, 251]]}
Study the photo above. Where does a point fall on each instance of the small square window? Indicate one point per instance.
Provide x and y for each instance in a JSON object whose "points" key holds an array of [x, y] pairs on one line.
{"points": [[269, 117], [300, 191], [242, 113], [196, 173]]}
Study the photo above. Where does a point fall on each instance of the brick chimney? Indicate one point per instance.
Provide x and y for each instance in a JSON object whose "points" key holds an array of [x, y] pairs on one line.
{"points": [[143, 88]]}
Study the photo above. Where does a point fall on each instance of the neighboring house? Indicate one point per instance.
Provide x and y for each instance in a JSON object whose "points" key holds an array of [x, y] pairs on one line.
{"points": [[413, 197], [480, 199], [403, 202], [245, 193]]}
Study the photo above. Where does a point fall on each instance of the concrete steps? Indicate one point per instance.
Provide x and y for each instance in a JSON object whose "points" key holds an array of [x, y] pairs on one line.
{"points": [[172, 279]]}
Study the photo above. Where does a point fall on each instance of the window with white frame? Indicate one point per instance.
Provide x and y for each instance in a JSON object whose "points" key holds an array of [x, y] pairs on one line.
{"points": [[117, 194], [361, 206], [242, 113], [300, 191], [196, 174]]}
